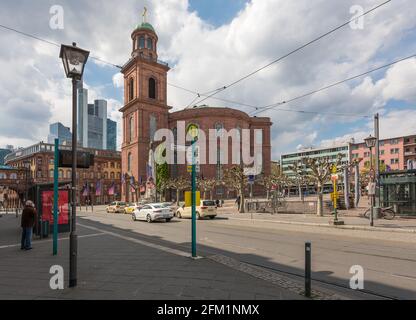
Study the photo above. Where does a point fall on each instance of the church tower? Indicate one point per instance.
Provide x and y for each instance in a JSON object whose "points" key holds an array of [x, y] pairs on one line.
{"points": [[145, 107]]}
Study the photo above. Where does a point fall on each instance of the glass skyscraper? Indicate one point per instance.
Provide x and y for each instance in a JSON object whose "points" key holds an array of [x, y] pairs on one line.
{"points": [[58, 130], [111, 135]]}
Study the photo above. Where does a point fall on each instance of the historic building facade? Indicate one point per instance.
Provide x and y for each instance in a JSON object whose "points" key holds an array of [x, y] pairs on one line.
{"points": [[145, 110], [105, 174]]}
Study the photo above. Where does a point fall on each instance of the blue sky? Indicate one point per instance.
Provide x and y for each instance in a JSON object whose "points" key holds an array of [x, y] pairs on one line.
{"points": [[209, 51], [217, 12]]}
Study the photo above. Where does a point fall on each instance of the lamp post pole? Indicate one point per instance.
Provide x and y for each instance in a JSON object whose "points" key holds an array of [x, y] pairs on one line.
{"points": [[193, 201], [377, 164], [372, 196], [73, 238], [74, 60]]}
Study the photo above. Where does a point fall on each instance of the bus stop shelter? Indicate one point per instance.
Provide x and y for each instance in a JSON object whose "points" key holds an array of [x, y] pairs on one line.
{"points": [[398, 189]]}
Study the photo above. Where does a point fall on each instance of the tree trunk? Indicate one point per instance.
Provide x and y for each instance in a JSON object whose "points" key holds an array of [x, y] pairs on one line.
{"points": [[267, 194], [242, 209], [300, 192], [320, 203], [211, 194], [177, 197]]}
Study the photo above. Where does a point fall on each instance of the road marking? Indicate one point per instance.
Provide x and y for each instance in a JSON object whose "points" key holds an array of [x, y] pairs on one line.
{"points": [[50, 240], [142, 242]]}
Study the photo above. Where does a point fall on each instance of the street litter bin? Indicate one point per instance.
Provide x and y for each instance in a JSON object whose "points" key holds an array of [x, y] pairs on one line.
{"points": [[45, 229]]}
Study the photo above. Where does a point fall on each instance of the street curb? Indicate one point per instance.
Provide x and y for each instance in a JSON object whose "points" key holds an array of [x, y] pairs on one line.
{"points": [[327, 225]]}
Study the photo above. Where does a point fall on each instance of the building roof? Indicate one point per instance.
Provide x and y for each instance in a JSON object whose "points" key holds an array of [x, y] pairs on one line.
{"points": [[145, 26]]}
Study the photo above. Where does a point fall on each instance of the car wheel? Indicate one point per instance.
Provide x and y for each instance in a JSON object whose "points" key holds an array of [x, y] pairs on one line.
{"points": [[148, 218], [198, 216], [211, 217], [133, 216], [178, 214], [168, 219]]}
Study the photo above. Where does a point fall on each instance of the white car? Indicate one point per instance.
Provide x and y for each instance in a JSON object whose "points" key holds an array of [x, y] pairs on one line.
{"points": [[207, 208], [152, 212]]}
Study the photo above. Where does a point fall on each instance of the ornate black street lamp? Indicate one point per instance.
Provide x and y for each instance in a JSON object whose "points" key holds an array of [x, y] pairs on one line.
{"points": [[371, 143], [74, 60]]}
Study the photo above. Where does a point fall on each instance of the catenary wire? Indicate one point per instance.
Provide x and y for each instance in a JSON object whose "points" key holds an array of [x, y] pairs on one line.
{"points": [[294, 51]]}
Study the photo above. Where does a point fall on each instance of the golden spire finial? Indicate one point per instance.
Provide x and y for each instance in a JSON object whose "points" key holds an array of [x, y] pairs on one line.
{"points": [[144, 15]]}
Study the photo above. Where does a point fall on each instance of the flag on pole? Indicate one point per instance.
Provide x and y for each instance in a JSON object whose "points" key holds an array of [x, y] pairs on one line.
{"points": [[98, 188], [111, 189], [86, 190]]}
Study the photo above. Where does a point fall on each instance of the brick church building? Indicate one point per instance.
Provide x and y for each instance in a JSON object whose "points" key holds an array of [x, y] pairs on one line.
{"points": [[145, 110]]}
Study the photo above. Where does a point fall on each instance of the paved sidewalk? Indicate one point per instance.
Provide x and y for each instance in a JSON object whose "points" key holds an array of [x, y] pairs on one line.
{"points": [[398, 224], [115, 264]]}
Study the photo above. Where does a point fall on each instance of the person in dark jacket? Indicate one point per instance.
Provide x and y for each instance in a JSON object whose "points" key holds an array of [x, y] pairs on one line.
{"points": [[28, 221]]}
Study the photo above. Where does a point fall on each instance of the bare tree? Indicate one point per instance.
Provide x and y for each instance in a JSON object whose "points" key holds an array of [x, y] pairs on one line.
{"points": [[301, 177], [320, 173], [179, 184], [207, 185], [234, 178]]}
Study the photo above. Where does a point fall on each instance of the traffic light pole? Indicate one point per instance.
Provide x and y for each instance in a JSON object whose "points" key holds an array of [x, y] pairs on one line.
{"points": [[193, 202]]}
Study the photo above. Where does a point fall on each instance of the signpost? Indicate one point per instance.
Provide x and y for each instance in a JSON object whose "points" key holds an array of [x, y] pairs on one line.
{"points": [[335, 195], [193, 131]]}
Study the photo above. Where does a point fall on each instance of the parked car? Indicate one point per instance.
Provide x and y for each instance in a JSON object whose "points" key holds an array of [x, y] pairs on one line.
{"points": [[172, 206], [133, 206], [116, 207], [206, 208], [152, 212]]}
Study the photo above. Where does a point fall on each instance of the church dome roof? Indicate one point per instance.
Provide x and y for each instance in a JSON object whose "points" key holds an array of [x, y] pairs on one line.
{"points": [[145, 26]]}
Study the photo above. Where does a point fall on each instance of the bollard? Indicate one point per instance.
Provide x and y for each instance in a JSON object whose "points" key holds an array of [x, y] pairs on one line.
{"points": [[308, 269]]}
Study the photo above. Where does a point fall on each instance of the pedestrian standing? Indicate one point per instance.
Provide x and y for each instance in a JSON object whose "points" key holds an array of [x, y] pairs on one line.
{"points": [[28, 221]]}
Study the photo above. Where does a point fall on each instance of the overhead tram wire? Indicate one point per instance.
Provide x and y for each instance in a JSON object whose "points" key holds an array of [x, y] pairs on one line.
{"points": [[54, 44], [207, 94], [294, 51], [285, 102]]}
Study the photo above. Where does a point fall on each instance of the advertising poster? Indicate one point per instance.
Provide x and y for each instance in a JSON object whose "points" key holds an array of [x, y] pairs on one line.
{"points": [[63, 207]]}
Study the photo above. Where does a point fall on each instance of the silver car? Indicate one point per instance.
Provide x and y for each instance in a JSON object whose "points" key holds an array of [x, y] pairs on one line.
{"points": [[152, 212]]}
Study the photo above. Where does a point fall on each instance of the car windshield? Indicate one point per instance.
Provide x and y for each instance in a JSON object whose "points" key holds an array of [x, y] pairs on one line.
{"points": [[166, 204], [122, 203], [157, 206], [208, 203]]}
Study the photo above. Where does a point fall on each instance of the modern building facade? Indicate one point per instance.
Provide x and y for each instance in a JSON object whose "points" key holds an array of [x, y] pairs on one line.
{"points": [[97, 125], [3, 153], [289, 159], [111, 135], [58, 131], [145, 110], [396, 154], [106, 171]]}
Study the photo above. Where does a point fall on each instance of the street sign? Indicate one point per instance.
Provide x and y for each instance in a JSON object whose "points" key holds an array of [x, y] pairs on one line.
{"points": [[251, 179], [197, 168], [371, 189], [334, 177], [334, 169]]}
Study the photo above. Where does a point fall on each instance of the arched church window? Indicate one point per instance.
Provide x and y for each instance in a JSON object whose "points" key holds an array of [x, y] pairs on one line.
{"points": [[218, 129], [152, 88], [131, 129], [152, 127], [129, 162], [141, 42], [131, 89], [149, 43]]}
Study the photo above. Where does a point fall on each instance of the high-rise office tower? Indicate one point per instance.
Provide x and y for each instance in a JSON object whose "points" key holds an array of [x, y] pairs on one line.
{"points": [[97, 124], [82, 115], [111, 135], [58, 130]]}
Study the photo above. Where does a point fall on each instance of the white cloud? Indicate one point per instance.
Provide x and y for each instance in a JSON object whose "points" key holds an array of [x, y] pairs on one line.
{"points": [[204, 58]]}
